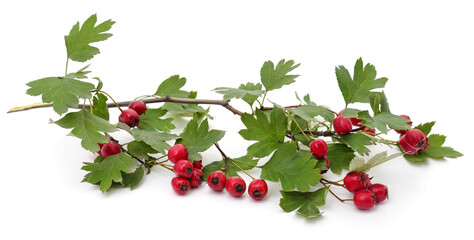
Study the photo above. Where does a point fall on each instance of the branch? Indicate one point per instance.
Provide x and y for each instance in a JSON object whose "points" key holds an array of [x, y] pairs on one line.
{"points": [[223, 103]]}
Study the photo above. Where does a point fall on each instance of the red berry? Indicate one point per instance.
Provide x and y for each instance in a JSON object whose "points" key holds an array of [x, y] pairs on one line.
{"points": [[100, 147], [356, 181], [109, 149], [403, 131], [235, 186], [354, 121], [183, 168], [258, 189], [364, 199], [129, 117], [196, 177], [197, 164], [138, 106], [180, 185], [177, 152], [342, 125], [380, 192], [319, 148], [216, 180], [405, 147], [413, 141]]}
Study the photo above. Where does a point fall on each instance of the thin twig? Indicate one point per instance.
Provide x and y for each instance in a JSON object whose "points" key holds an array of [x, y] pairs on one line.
{"points": [[223, 103]]}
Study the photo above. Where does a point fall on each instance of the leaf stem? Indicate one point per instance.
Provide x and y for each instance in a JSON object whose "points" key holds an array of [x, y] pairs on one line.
{"points": [[302, 131], [111, 98], [226, 159]]}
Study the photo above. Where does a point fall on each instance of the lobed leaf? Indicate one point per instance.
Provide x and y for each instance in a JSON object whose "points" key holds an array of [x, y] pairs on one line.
{"points": [[79, 39], [88, 127], [109, 170], [198, 138], [244, 162], [155, 139], [291, 168], [274, 77], [306, 203]]}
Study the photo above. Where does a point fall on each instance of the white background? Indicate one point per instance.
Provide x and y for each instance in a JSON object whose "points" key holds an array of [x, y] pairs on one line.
{"points": [[425, 48]]}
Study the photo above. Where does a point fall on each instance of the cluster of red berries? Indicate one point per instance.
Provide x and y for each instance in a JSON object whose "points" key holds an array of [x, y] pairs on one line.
{"points": [[189, 175], [366, 195], [131, 116], [236, 185]]}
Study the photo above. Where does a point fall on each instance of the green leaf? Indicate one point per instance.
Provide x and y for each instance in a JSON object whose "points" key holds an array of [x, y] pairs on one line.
{"points": [[184, 109], [291, 168], [269, 133], [109, 170], [382, 120], [133, 179], [140, 149], [156, 139], [249, 92], [425, 127], [359, 165], [197, 138], [339, 156], [309, 112], [275, 77], [87, 127], [307, 203], [64, 92], [172, 87], [436, 149], [100, 108], [244, 162], [151, 120], [358, 142], [358, 88], [79, 39]]}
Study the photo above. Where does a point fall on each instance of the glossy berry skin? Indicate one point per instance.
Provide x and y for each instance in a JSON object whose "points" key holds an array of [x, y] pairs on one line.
{"points": [[109, 149], [216, 180], [405, 147], [364, 199], [235, 186], [197, 164], [180, 185], [413, 141], [356, 181], [183, 168], [380, 192], [138, 106], [403, 131], [319, 148], [342, 125], [258, 189], [196, 177], [129, 117], [100, 147], [177, 152]]}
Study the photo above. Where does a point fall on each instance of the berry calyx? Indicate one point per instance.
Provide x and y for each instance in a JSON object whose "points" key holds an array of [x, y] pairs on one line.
{"points": [[216, 180], [138, 106], [258, 189], [342, 125], [235, 186], [413, 141], [177, 152], [183, 168], [364, 199], [319, 148], [197, 164], [129, 117], [380, 192], [196, 177], [180, 185], [356, 181], [403, 131], [109, 149]]}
